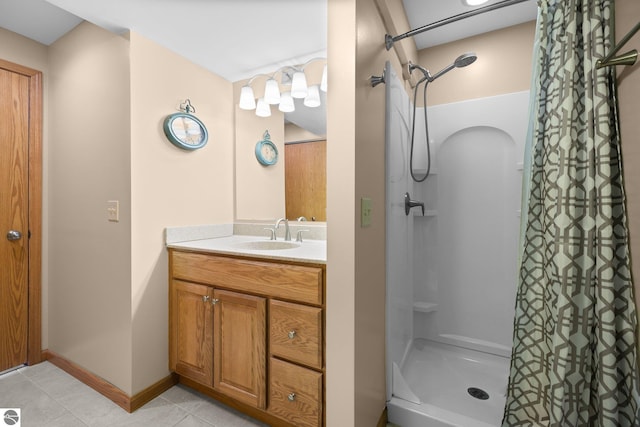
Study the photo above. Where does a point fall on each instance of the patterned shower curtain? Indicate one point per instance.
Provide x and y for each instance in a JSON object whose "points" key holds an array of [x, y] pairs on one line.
{"points": [[574, 359]]}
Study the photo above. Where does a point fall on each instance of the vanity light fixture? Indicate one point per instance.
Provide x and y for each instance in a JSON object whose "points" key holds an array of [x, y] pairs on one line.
{"points": [[286, 103], [247, 100], [323, 83], [313, 97], [299, 85], [294, 77], [263, 109], [272, 92]]}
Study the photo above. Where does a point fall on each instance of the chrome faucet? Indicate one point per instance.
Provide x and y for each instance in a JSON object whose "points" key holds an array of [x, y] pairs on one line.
{"points": [[408, 204], [287, 232]]}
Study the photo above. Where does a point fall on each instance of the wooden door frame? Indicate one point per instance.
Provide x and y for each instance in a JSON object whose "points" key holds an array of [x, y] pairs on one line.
{"points": [[34, 340]]}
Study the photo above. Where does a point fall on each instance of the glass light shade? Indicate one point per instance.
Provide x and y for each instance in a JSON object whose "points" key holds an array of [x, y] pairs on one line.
{"points": [[323, 83], [271, 92], [473, 2], [313, 97], [247, 100], [263, 109], [286, 103], [299, 85]]}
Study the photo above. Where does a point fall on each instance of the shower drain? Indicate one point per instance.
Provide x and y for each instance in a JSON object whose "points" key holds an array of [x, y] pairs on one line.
{"points": [[478, 393]]}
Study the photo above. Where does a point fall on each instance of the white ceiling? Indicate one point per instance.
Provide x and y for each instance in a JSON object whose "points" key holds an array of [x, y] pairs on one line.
{"points": [[36, 19], [237, 39]]}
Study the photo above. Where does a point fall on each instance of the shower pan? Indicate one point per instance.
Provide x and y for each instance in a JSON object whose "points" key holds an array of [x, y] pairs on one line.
{"points": [[451, 273]]}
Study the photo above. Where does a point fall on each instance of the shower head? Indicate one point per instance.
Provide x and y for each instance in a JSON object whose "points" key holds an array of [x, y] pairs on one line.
{"points": [[461, 61], [465, 59]]}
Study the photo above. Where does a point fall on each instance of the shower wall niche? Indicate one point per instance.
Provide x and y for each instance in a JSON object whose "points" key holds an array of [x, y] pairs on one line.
{"points": [[465, 247]]}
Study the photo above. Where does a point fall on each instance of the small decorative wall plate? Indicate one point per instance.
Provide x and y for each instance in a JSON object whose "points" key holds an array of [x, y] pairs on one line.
{"points": [[266, 151], [185, 131]]}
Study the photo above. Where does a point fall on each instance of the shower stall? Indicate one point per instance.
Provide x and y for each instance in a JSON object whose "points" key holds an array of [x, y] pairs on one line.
{"points": [[451, 271]]}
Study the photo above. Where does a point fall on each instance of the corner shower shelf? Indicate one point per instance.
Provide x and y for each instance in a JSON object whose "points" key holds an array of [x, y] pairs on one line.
{"points": [[422, 171], [425, 307], [427, 213]]}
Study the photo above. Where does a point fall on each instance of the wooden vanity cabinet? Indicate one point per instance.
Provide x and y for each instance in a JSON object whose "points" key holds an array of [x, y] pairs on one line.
{"points": [[223, 348], [250, 332]]}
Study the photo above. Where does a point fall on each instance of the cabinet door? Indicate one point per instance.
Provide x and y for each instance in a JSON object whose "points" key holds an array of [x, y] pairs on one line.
{"points": [[240, 347], [191, 331]]}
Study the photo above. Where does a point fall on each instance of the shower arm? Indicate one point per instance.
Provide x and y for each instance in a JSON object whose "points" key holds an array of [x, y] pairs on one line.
{"points": [[390, 40]]}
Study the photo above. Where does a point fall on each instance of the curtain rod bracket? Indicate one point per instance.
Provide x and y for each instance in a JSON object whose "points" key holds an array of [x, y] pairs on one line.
{"points": [[388, 41], [376, 80], [628, 58]]}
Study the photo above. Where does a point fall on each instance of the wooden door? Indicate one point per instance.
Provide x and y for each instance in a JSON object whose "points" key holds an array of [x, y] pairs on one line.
{"points": [[306, 180], [14, 220], [240, 347], [191, 331]]}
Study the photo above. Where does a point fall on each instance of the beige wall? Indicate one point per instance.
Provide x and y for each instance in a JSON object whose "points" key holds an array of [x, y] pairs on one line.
{"points": [[108, 281], [370, 391], [89, 163], [100, 305], [170, 186], [259, 190], [627, 13], [503, 65], [341, 214], [356, 285], [355, 255], [293, 133], [24, 51]]}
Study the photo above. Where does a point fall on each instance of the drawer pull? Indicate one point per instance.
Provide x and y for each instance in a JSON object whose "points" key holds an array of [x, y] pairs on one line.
{"points": [[291, 334], [291, 397], [205, 298]]}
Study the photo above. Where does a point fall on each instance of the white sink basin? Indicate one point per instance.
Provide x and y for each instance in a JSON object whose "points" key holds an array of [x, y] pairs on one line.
{"points": [[267, 245]]}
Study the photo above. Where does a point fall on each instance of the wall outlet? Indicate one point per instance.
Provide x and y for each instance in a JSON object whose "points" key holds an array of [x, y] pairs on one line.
{"points": [[365, 211], [113, 210]]}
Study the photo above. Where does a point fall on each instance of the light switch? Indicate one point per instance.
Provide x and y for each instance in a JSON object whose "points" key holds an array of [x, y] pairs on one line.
{"points": [[113, 210], [365, 212]]}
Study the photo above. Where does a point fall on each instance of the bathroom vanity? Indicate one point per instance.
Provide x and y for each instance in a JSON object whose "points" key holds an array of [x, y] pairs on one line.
{"points": [[247, 328]]}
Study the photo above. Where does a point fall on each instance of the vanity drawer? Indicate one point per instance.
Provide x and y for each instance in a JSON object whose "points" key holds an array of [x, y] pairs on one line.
{"points": [[295, 333], [292, 282], [295, 394]]}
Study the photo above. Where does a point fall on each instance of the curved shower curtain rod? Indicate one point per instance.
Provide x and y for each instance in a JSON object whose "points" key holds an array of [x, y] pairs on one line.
{"points": [[390, 40]]}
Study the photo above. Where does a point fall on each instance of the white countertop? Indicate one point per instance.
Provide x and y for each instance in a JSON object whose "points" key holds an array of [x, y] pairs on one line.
{"points": [[308, 251]]}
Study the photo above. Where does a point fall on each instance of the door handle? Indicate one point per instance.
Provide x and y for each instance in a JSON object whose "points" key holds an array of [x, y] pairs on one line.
{"points": [[14, 235]]}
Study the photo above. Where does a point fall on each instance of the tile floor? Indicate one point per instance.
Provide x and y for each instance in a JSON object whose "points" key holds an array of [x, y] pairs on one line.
{"points": [[49, 397]]}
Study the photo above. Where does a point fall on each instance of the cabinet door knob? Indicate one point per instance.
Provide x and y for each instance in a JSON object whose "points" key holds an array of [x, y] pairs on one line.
{"points": [[292, 334], [215, 301], [205, 298], [291, 397]]}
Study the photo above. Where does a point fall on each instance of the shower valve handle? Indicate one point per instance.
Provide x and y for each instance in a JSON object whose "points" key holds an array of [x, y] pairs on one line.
{"points": [[408, 204]]}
